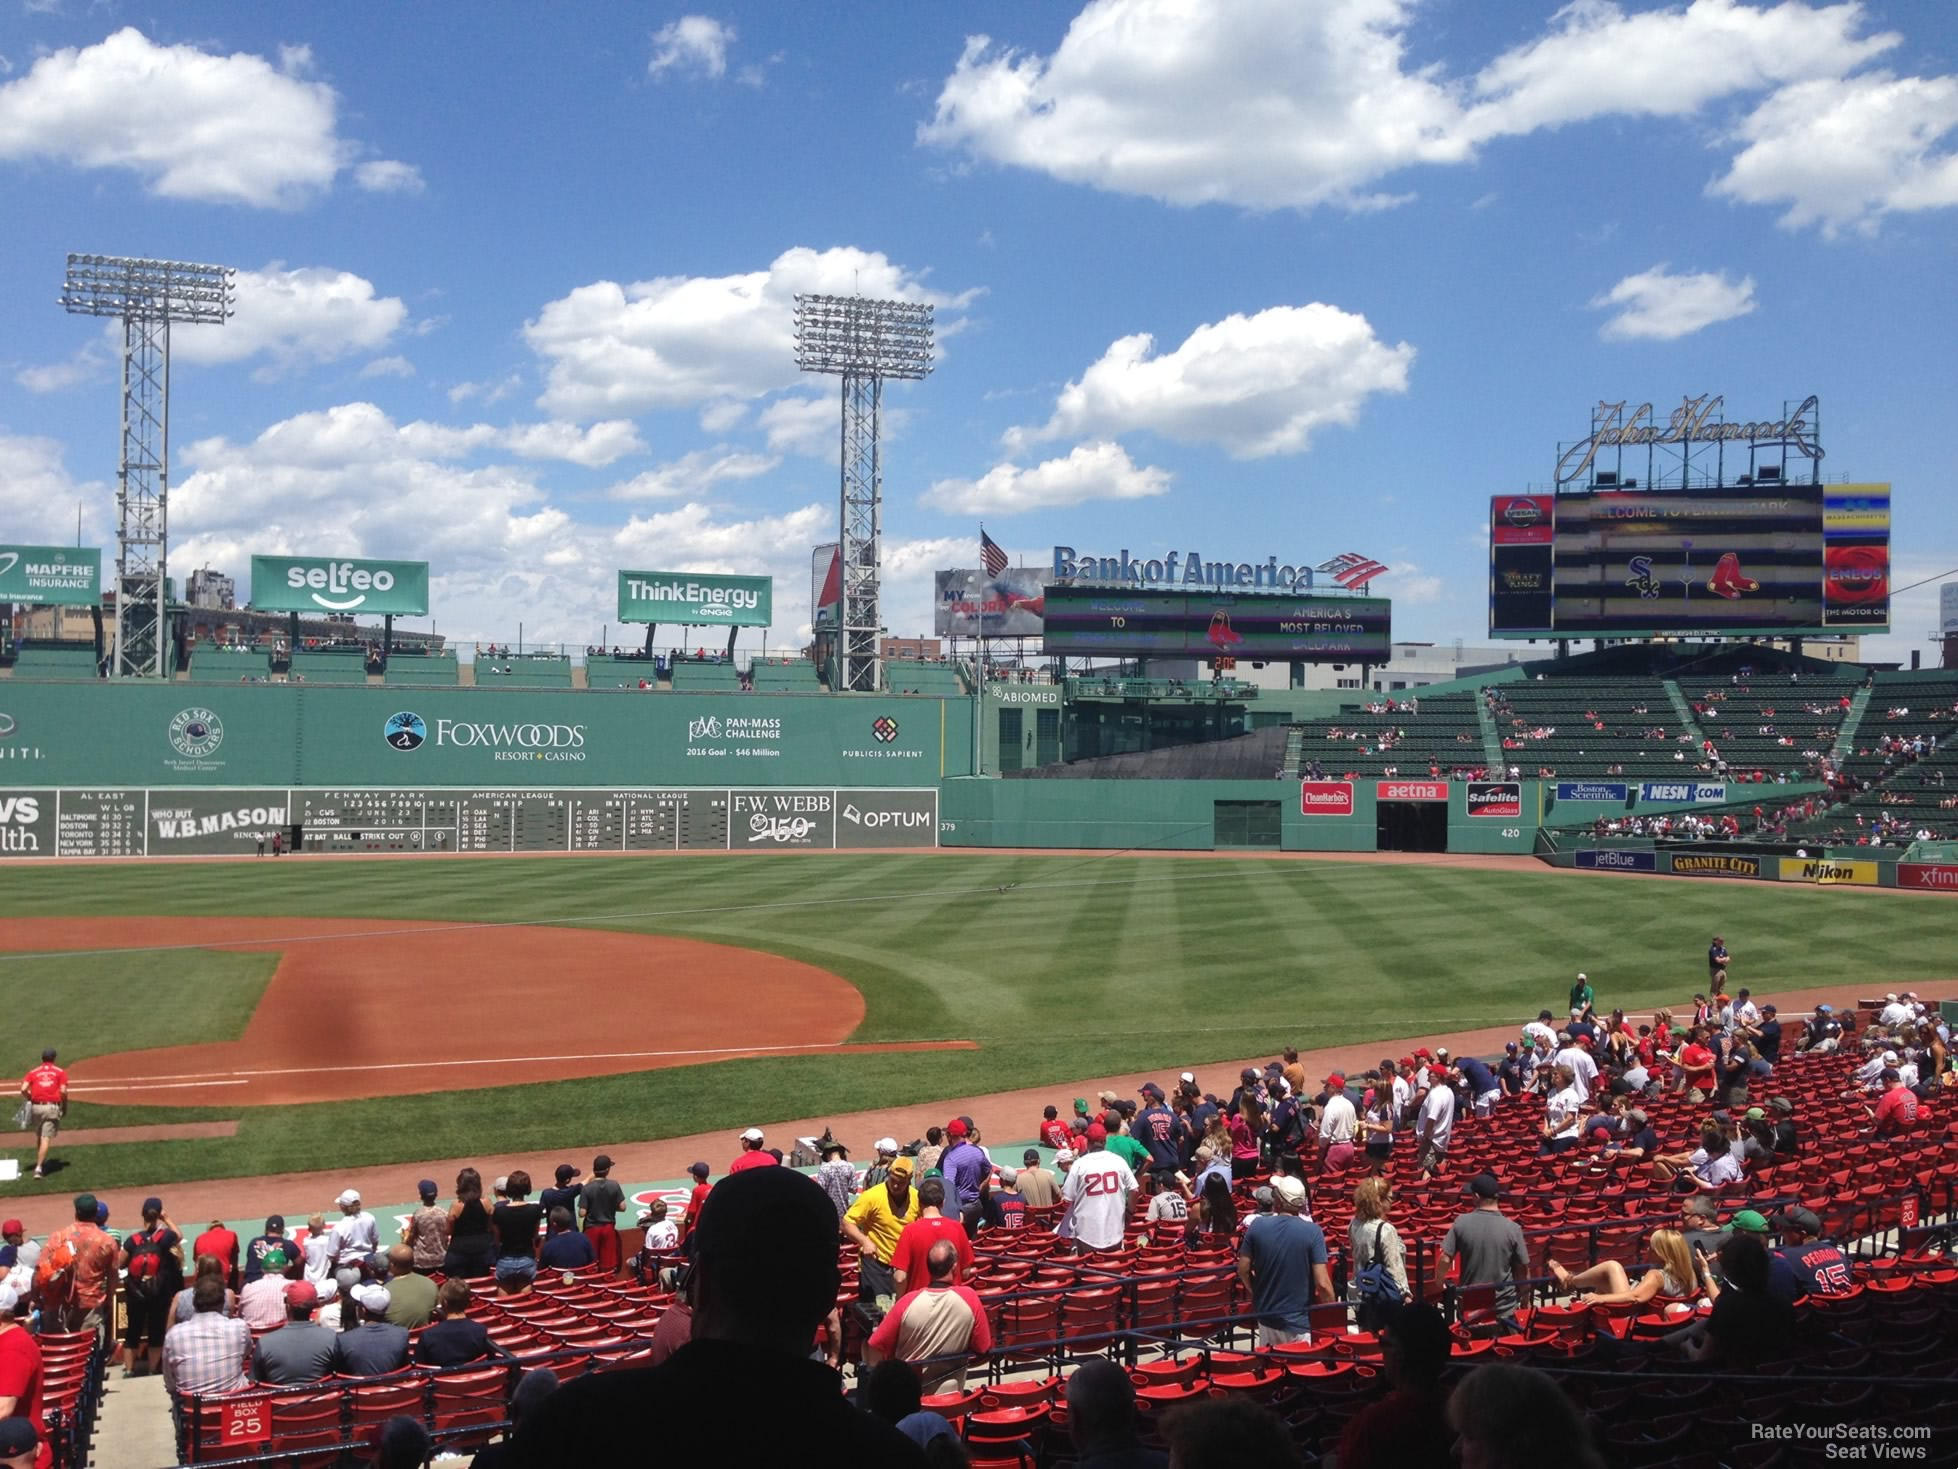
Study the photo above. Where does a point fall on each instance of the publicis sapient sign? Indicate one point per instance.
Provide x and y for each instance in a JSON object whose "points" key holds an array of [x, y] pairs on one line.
{"points": [[1694, 421], [696, 599], [327, 584], [69, 575]]}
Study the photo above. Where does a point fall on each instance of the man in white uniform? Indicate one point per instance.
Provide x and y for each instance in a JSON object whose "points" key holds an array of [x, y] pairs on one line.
{"points": [[1435, 1127], [1095, 1198]]}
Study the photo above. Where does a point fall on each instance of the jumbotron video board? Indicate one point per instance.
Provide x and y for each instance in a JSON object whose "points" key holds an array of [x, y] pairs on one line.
{"points": [[1169, 624], [1737, 560]]}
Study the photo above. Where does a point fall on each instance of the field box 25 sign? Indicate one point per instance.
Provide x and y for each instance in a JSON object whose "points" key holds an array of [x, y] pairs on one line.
{"points": [[694, 599], [244, 1421], [1326, 797], [323, 584]]}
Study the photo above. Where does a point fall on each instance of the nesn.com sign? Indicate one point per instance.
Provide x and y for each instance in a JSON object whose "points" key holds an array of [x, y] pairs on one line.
{"points": [[1694, 791]]}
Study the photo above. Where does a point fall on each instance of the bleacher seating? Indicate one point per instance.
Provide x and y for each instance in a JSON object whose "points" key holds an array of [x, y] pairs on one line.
{"points": [[1419, 733], [690, 674], [329, 665], [1918, 793], [523, 671], [602, 672], [1749, 719], [426, 670], [33, 660], [215, 663], [785, 675], [917, 676]]}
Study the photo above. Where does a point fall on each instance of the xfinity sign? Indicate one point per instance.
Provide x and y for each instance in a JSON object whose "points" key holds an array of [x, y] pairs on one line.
{"points": [[694, 599], [320, 584]]}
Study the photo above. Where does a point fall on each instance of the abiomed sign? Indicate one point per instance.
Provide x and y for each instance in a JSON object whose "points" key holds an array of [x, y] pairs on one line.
{"points": [[70, 575], [322, 584], [692, 599]]}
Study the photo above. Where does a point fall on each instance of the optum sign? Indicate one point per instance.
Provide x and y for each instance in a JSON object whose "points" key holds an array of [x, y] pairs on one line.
{"points": [[324, 584]]}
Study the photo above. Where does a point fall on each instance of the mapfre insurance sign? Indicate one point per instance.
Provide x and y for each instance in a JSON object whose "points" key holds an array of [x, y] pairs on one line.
{"points": [[1326, 797]]}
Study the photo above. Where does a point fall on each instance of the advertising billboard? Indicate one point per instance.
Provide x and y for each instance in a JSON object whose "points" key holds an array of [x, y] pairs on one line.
{"points": [[69, 575], [977, 604], [1326, 797], [1279, 627], [1495, 798], [1746, 559], [331, 584], [696, 599]]}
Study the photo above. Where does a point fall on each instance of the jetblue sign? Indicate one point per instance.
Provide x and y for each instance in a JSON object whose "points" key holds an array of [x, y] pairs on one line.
{"points": [[1179, 569], [1695, 791], [1615, 860], [1586, 790]]}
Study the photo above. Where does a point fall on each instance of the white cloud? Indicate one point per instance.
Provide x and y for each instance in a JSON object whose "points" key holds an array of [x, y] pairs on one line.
{"points": [[1255, 385], [694, 474], [682, 341], [294, 318], [801, 424], [693, 43], [594, 445], [388, 367], [719, 417], [39, 498], [1658, 305], [1844, 153], [193, 125], [1098, 471], [90, 364], [389, 176], [362, 433], [489, 392], [1276, 104]]}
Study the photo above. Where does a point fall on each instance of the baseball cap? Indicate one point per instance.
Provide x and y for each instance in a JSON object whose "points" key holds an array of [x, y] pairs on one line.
{"points": [[1261, 1196], [1580, 974], [886, 1145], [501, 1182], [13, 1226], [1755, 1114], [274, 1223], [1081, 1106], [1891, 1073], [302, 1293], [955, 1128], [428, 1188], [348, 1198], [1188, 1078], [1584, 1041], [1798, 1218], [1150, 1089], [1097, 1133], [1637, 1114], [1889, 999], [1249, 1073], [1781, 1105], [1529, 1043], [565, 1173], [1749, 1221], [373, 1298], [901, 1167], [1485, 1186], [1889, 1058], [17, 1437], [1031, 1157], [751, 1135], [154, 1205], [1288, 1189], [1337, 1081], [1422, 1053], [9, 1297], [699, 1170], [602, 1163], [1064, 1157], [1825, 1009], [1009, 1176]]}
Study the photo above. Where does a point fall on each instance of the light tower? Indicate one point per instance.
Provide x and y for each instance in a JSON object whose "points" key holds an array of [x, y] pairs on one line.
{"points": [[862, 342], [147, 295]]}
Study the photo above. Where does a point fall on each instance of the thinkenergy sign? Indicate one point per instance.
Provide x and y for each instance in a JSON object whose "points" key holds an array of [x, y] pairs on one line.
{"points": [[696, 599], [323, 584]]}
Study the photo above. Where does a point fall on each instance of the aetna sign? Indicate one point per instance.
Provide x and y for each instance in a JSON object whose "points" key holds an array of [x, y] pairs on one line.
{"points": [[1326, 797], [1932, 877], [1411, 790]]}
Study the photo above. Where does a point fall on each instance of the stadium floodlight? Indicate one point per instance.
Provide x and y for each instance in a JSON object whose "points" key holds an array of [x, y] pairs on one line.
{"points": [[863, 342], [147, 296]]}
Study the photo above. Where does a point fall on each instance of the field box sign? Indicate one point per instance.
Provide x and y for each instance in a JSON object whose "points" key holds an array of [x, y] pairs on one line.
{"points": [[68, 575], [330, 584], [695, 599]]}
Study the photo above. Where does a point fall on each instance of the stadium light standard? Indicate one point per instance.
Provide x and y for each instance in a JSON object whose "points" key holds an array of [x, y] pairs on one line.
{"points": [[863, 342], [147, 295]]}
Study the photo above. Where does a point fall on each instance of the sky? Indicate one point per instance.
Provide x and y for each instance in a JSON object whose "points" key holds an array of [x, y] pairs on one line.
{"points": [[1242, 278]]}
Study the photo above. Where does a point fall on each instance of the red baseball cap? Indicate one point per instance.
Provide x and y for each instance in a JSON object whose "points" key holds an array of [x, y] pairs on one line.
{"points": [[13, 1226], [1424, 1053], [302, 1293], [1584, 1041], [955, 1128], [1337, 1079], [1097, 1133]]}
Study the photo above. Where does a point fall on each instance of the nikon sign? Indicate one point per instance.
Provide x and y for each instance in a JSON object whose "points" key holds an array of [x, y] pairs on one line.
{"points": [[694, 600], [322, 584], [70, 575]]}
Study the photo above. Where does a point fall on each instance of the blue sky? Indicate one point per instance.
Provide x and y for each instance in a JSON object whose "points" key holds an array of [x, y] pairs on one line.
{"points": [[1244, 278]]}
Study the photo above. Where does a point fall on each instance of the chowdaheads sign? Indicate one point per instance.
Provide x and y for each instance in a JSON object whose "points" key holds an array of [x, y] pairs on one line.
{"points": [[323, 584], [695, 599], [71, 575]]}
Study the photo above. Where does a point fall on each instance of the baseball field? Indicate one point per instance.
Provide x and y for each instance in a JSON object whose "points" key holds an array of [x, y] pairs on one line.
{"points": [[349, 1012]]}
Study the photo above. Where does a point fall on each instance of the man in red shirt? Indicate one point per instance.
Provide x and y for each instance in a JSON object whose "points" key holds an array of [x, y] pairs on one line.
{"points": [[1053, 1131], [1695, 1070], [917, 1238], [46, 1090], [1896, 1110], [701, 1189], [752, 1155], [221, 1243], [20, 1377]]}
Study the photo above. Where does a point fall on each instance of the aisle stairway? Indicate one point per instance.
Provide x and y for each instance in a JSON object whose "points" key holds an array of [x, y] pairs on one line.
{"points": [[1846, 732], [1683, 707], [1492, 750]]}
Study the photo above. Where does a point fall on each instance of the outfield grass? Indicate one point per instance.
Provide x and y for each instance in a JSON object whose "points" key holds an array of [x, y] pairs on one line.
{"points": [[1082, 966]]}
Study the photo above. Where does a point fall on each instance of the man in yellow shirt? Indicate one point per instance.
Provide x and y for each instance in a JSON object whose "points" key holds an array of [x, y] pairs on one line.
{"points": [[873, 1223]]}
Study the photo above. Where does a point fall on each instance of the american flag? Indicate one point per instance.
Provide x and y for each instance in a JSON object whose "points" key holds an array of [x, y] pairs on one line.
{"points": [[990, 555], [1352, 569]]}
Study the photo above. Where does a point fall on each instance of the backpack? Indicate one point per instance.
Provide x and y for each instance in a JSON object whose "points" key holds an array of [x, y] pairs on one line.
{"points": [[145, 1263], [54, 1272], [1374, 1290]]}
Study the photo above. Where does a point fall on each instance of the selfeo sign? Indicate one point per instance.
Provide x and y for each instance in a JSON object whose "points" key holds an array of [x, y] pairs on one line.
{"points": [[696, 599], [324, 584]]}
